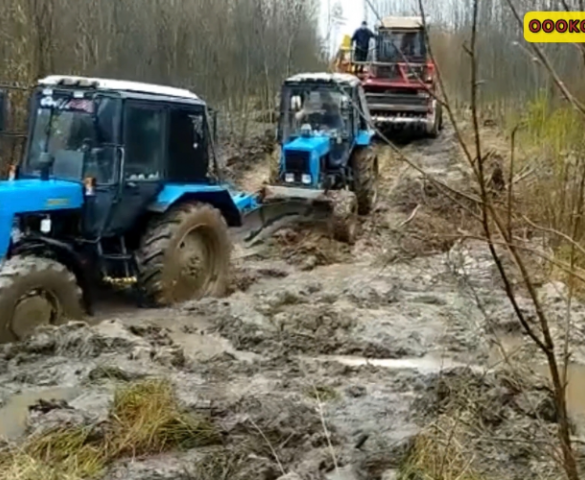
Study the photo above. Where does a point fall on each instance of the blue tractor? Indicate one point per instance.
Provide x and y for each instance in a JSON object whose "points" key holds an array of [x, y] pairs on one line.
{"points": [[326, 148], [118, 184]]}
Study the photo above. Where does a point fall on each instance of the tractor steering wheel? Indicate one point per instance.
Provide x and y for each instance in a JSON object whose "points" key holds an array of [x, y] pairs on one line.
{"points": [[315, 119]]}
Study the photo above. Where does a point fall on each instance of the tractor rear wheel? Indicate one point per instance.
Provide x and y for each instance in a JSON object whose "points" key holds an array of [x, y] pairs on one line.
{"points": [[364, 163], [184, 255], [36, 291]]}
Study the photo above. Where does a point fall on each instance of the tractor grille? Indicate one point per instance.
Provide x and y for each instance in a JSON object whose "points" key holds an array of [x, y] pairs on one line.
{"points": [[396, 99], [297, 162]]}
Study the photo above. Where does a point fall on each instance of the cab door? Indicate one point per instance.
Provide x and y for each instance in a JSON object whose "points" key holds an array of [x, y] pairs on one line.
{"points": [[142, 166]]}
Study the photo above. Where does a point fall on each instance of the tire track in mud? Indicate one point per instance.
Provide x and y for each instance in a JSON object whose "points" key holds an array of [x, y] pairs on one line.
{"points": [[293, 347]]}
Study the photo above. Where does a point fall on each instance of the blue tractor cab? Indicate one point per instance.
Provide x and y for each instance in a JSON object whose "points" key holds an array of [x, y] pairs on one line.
{"points": [[118, 184], [326, 146]]}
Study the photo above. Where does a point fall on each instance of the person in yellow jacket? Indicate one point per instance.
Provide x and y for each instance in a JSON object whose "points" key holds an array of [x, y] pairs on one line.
{"points": [[343, 57]]}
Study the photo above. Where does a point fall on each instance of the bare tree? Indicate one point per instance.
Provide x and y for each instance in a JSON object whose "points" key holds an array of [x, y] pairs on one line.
{"points": [[228, 51]]}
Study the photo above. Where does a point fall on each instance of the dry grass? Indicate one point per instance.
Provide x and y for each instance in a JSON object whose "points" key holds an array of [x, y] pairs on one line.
{"points": [[322, 393], [145, 418], [69, 453], [437, 454], [550, 149], [547, 190], [25, 467], [473, 419]]}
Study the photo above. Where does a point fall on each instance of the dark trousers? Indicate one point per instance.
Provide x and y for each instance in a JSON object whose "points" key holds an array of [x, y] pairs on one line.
{"points": [[361, 55]]}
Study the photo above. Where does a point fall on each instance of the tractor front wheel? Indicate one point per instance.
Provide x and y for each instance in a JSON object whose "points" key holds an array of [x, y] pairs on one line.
{"points": [[364, 163], [344, 218], [36, 291], [184, 255], [436, 124]]}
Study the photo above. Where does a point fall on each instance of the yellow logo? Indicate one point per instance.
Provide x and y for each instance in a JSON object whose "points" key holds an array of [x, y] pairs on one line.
{"points": [[554, 27], [57, 202]]}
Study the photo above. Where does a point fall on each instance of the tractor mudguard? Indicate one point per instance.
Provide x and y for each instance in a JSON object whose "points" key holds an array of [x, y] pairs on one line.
{"points": [[364, 138], [231, 204], [34, 195], [65, 254]]}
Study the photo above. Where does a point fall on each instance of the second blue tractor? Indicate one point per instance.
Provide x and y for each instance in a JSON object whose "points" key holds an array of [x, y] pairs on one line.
{"points": [[326, 152]]}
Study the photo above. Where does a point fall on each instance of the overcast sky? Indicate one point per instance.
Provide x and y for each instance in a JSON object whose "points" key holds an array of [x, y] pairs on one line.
{"points": [[353, 11]]}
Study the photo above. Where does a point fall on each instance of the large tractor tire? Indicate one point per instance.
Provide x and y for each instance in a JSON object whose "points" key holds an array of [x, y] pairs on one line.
{"points": [[364, 163], [184, 255], [36, 291], [434, 129], [344, 217]]}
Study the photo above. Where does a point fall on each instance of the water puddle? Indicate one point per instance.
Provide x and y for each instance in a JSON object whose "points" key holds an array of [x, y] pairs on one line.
{"points": [[14, 415], [508, 347], [511, 344], [190, 332], [205, 346], [424, 365], [575, 389], [343, 473]]}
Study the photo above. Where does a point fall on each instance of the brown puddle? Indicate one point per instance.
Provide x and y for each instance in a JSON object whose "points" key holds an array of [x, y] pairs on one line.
{"points": [[576, 375], [186, 330], [508, 347], [575, 389], [14, 415]]}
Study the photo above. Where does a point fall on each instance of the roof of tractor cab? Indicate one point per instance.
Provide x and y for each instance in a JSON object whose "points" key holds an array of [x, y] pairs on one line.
{"points": [[323, 77], [121, 86], [402, 22]]}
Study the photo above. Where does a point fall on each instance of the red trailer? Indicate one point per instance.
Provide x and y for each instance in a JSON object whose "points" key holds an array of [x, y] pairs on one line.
{"points": [[399, 79]]}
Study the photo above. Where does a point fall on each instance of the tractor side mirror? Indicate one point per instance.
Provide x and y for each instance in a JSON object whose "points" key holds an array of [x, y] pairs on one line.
{"points": [[296, 103], [3, 110]]}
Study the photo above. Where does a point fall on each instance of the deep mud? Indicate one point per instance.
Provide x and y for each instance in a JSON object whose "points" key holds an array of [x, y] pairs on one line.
{"points": [[325, 362]]}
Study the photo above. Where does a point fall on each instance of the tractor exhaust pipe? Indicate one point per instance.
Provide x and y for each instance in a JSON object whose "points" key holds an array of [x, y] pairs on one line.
{"points": [[46, 161]]}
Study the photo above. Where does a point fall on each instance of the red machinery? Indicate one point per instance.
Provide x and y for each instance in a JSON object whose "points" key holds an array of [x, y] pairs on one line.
{"points": [[400, 79]]}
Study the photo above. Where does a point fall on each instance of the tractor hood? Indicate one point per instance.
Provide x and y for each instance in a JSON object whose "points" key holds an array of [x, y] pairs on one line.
{"points": [[319, 144], [31, 196]]}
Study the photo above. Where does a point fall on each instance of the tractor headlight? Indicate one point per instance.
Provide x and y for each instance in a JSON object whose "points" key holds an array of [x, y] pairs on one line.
{"points": [[289, 177], [306, 179]]}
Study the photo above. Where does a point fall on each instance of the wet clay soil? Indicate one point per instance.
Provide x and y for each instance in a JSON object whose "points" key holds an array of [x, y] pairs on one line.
{"points": [[337, 352]]}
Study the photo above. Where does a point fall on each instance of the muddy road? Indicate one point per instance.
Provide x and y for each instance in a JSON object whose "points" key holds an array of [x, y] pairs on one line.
{"points": [[325, 362]]}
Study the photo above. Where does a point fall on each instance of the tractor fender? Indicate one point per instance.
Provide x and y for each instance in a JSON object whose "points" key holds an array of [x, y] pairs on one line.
{"points": [[364, 138], [216, 195], [65, 254]]}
